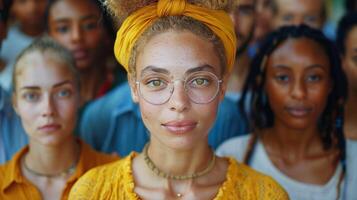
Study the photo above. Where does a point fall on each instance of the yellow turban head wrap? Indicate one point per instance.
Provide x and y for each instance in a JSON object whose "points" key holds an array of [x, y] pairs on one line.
{"points": [[133, 27]]}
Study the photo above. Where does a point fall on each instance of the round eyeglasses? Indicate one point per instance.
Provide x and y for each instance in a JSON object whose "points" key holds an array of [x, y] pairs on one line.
{"points": [[201, 87]]}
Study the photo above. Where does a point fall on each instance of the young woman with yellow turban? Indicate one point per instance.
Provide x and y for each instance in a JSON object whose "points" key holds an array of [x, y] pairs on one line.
{"points": [[178, 54]]}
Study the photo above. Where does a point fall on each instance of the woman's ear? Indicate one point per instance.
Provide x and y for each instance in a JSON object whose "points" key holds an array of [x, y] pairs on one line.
{"points": [[133, 88], [224, 83]]}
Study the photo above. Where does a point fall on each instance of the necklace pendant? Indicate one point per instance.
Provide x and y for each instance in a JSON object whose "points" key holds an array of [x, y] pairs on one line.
{"points": [[179, 195]]}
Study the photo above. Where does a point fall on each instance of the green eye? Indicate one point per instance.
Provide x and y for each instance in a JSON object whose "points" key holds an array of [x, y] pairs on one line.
{"points": [[156, 83], [200, 81]]}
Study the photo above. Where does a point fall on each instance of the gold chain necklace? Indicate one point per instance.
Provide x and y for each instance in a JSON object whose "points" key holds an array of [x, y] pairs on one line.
{"points": [[160, 173]]}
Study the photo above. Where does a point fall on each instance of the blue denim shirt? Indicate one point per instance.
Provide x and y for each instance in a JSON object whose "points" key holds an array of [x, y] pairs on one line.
{"points": [[12, 135], [113, 123]]}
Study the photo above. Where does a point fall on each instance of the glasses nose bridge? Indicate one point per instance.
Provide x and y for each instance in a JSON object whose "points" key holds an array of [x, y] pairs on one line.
{"points": [[172, 84]]}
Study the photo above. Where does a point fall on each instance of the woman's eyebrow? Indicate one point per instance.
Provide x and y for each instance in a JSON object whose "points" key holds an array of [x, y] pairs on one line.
{"points": [[152, 68], [30, 87], [204, 67], [62, 83]]}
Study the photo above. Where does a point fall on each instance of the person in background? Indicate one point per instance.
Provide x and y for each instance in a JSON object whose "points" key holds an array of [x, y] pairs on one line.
{"points": [[262, 21], [178, 87], [46, 97], [82, 27], [243, 16], [296, 12], [12, 135], [28, 24], [347, 45], [284, 13], [297, 88]]}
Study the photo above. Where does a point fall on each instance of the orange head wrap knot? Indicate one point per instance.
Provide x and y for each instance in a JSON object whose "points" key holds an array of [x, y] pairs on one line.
{"points": [[133, 27], [170, 7]]}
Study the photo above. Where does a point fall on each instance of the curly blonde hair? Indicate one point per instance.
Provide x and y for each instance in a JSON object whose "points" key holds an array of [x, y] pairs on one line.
{"points": [[120, 9]]}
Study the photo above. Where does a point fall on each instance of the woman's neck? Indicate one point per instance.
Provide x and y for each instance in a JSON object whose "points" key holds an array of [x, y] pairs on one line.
{"points": [[282, 141], [33, 31], [350, 118], [180, 162], [52, 160], [91, 81]]}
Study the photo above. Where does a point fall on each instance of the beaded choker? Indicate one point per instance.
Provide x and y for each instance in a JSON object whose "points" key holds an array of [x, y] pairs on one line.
{"points": [[64, 173], [160, 173]]}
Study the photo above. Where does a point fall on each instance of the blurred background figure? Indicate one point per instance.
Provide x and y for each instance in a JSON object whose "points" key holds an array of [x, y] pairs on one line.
{"points": [[83, 28], [12, 135], [263, 19], [243, 15], [27, 24], [347, 44], [296, 12]]}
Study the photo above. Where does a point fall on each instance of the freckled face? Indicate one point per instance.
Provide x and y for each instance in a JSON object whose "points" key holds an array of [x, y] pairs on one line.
{"points": [[179, 122], [298, 83], [46, 98]]}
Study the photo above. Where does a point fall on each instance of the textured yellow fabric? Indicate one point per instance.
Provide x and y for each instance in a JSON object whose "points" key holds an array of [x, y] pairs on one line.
{"points": [[115, 181], [131, 29], [15, 186]]}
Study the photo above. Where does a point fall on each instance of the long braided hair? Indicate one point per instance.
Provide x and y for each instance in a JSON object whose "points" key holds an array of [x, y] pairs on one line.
{"points": [[254, 96]]}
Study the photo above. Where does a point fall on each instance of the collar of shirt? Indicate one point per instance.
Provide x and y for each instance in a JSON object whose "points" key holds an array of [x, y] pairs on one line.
{"points": [[13, 167], [122, 101], [13, 170]]}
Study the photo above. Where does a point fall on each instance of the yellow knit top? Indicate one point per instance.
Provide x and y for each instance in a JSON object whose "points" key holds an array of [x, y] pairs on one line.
{"points": [[115, 181]]}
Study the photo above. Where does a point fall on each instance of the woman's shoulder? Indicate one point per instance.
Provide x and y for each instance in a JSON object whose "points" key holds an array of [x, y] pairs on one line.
{"points": [[96, 157], [234, 147], [104, 181], [244, 182]]}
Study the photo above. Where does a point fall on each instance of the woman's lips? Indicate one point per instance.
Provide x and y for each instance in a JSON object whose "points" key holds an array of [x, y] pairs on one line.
{"points": [[180, 127], [298, 111], [80, 54], [48, 128]]}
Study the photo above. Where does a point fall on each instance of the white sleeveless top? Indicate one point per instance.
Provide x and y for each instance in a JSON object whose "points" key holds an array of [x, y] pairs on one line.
{"points": [[297, 190]]}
